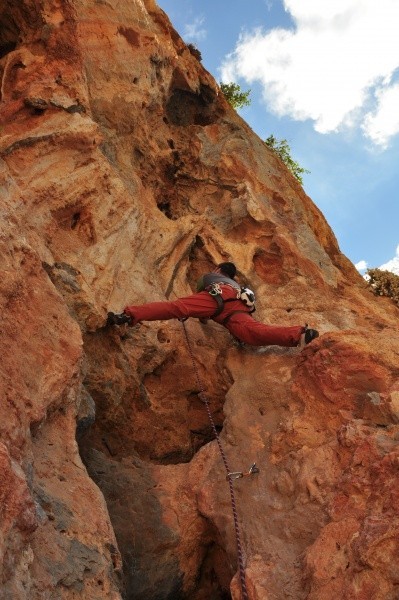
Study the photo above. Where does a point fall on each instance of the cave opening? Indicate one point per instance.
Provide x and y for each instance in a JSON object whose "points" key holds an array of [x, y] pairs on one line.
{"points": [[186, 108], [140, 424], [9, 34]]}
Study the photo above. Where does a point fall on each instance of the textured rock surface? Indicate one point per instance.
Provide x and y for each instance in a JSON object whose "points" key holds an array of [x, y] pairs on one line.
{"points": [[124, 175]]}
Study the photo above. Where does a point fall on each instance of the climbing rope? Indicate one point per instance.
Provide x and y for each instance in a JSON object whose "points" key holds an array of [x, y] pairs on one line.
{"points": [[230, 475]]}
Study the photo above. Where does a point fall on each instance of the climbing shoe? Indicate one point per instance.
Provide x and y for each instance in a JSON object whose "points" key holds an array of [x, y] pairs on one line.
{"points": [[118, 319], [310, 335]]}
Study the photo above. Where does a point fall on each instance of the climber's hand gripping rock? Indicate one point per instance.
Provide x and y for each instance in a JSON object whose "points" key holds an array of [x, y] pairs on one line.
{"points": [[118, 319]]}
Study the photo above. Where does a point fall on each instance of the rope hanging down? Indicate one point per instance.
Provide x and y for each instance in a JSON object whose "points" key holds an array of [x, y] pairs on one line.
{"points": [[230, 475]]}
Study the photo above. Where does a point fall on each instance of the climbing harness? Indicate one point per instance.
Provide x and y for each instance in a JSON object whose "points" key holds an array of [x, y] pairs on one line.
{"points": [[216, 293], [231, 475], [244, 294]]}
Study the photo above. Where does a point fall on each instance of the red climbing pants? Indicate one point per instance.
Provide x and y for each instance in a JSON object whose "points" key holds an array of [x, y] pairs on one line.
{"points": [[202, 305]]}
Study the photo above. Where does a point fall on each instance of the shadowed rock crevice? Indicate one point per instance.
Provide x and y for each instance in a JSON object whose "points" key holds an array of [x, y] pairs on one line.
{"points": [[150, 420], [186, 108], [9, 33], [150, 545], [202, 258], [147, 572], [153, 410]]}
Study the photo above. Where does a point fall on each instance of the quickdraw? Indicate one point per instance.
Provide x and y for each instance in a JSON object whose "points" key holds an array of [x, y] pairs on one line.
{"points": [[238, 474]]}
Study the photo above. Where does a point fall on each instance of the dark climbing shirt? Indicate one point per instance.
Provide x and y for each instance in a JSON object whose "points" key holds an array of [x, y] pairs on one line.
{"points": [[209, 278]]}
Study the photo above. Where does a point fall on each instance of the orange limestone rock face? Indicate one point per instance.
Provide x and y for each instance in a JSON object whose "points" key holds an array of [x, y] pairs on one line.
{"points": [[125, 175]]}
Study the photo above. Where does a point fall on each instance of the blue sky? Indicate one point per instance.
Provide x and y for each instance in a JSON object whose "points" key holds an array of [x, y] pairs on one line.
{"points": [[325, 76]]}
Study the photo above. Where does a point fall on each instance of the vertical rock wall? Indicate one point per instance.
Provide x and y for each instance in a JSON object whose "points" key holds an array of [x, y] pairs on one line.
{"points": [[125, 175]]}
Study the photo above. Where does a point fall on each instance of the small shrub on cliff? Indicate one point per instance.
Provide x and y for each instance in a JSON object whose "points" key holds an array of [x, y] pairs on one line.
{"points": [[195, 52], [234, 95], [282, 149], [384, 283]]}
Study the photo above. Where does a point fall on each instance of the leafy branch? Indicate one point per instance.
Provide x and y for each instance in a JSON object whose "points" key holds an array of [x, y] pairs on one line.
{"points": [[384, 283], [283, 151], [234, 95]]}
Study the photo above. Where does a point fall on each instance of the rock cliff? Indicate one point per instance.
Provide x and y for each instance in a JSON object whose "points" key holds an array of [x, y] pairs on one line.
{"points": [[124, 175]]}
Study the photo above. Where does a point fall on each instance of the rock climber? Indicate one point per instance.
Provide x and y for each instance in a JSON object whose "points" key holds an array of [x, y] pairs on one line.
{"points": [[219, 297]]}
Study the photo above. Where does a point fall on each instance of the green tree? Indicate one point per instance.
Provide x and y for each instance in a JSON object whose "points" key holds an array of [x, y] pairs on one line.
{"points": [[384, 283], [282, 149], [234, 95]]}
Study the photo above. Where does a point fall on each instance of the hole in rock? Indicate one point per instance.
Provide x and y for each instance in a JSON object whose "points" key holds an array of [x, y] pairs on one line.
{"points": [[186, 108], [173, 204], [164, 206], [9, 34], [6, 48], [75, 220], [170, 171]]}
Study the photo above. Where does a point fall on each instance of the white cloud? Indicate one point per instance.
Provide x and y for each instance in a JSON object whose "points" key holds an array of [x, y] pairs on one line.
{"points": [[393, 264], [194, 30], [361, 265], [384, 122], [334, 67]]}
